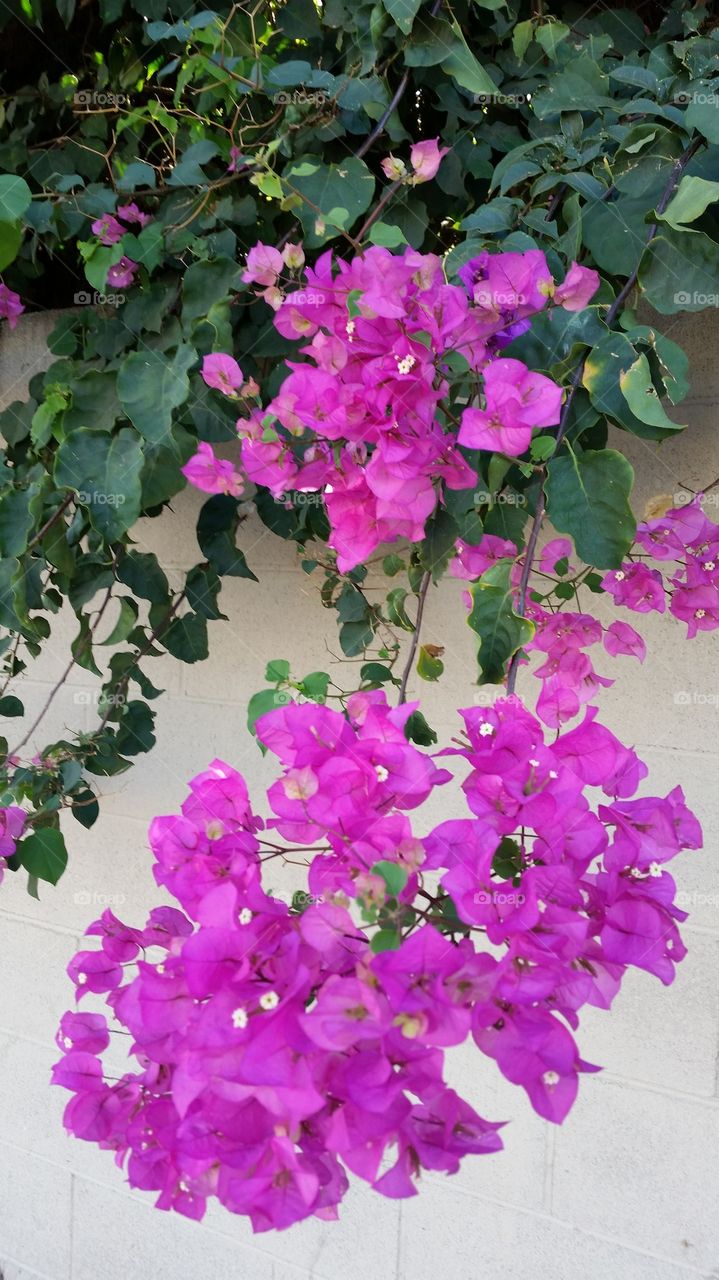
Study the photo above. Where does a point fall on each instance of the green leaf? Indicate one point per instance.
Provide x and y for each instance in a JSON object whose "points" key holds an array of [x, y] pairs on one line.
{"points": [[394, 876], [377, 674], [392, 564], [355, 638], [186, 638], [216, 530], [549, 36], [638, 390], [492, 617], [135, 733], [388, 236], [43, 854], [16, 421], [385, 940], [679, 271], [691, 198], [19, 513], [588, 498], [396, 611], [10, 241], [187, 173], [262, 702], [104, 471], [278, 669], [704, 116], [605, 365], [417, 730], [403, 12], [125, 622], [206, 283], [98, 260], [438, 546], [334, 194], [462, 65], [522, 38], [141, 572], [315, 685], [15, 197], [669, 362], [11, 706], [202, 587], [85, 808], [429, 666], [151, 386]]}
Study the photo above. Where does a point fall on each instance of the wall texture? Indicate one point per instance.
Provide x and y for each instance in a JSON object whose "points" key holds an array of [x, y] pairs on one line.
{"points": [[626, 1188]]}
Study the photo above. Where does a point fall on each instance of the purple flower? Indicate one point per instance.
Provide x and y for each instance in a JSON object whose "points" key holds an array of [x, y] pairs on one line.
{"points": [[107, 229], [223, 373], [121, 274], [211, 474], [10, 305]]}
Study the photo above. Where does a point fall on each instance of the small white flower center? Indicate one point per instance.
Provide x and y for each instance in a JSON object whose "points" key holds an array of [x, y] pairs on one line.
{"points": [[382, 773], [406, 364], [269, 1000], [245, 915], [239, 1019], [550, 1078]]}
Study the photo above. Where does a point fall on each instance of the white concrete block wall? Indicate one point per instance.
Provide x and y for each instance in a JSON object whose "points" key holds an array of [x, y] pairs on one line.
{"points": [[626, 1188]]}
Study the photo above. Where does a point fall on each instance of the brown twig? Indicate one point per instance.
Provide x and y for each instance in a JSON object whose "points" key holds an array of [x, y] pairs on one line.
{"points": [[422, 596]]}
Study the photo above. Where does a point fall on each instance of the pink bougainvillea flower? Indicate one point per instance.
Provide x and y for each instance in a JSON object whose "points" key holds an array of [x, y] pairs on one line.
{"points": [[264, 264], [638, 587], [393, 168], [425, 159], [470, 562], [516, 401], [619, 637], [12, 825], [10, 305], [579, 285], [122, 274], [274, 1051], [697, 606], [223, 373], [553, 552], [211, 474], [293, 256], [131, 213], [107, 229]]}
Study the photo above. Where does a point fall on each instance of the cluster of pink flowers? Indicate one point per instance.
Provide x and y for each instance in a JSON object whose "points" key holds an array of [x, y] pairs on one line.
{"points": [[275, 1050], [686, 542], [10, 305], [684, 538], [369, 418], [110, 230], [12, 826]]}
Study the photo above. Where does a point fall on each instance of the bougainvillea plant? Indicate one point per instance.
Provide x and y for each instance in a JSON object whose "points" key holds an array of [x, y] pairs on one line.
{"points": [[279, 1048], [372, 273]]}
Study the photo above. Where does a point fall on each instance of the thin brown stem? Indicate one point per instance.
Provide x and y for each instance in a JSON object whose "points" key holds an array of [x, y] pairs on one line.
{"points": [[59, 683], [422, 596]]}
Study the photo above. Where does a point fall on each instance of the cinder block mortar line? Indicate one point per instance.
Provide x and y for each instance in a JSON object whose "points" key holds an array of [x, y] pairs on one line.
{"points": [[554, 1219]]}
